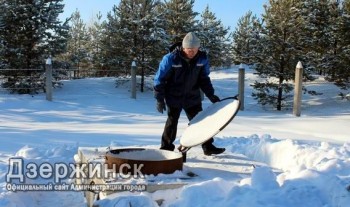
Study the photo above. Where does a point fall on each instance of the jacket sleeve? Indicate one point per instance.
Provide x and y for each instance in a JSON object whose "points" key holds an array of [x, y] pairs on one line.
{"points": [[161, 77], [205, 82]]}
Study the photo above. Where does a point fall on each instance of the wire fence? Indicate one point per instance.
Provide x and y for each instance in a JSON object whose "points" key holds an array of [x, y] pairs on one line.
{"points": [[21, 79], [33, 80]]}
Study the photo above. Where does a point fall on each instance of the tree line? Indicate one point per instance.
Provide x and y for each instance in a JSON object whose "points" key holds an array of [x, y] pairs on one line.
{"points": [[134, 30], [314, 32], [142, 31]]}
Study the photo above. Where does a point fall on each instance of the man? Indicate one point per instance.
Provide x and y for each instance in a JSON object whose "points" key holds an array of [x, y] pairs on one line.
{"points": [[177, 83]]}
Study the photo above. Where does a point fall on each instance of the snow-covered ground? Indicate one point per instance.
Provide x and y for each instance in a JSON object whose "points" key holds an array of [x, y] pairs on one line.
{"points": [[309, 156]]}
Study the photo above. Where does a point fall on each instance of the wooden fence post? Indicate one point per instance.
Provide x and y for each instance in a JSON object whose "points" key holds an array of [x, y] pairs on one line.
{"points": [[48, 83], [133, 79], [298, 89], [241, 76]]}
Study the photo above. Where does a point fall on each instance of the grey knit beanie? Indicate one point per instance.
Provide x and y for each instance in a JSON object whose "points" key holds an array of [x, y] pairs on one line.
{"points": [[191, 41]]}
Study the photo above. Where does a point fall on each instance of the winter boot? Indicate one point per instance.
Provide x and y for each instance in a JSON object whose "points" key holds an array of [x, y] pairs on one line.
{"points": [[212, 150]]}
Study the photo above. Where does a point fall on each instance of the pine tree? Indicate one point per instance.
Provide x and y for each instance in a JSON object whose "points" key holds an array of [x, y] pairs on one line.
{"points": [[317, 37], [340, 74], [112, 50], [276, 54], [77, 48], [332, 55], [325, 39], [242, 37], [96, 32], [214, 38], [135, 31], [2, 50], [2, 41], [180, 18], [2, 62], [346, 6], [30, 33]]}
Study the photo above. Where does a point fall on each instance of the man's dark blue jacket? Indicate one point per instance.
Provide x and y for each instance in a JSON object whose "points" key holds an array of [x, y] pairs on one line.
{"points": [[178, 80]]}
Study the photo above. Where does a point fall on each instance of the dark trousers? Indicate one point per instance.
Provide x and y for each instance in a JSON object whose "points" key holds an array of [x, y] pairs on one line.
{"points": [[170, 128]]}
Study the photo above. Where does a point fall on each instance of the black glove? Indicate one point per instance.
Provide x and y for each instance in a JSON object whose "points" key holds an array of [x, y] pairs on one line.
{"points": [[214, 99], [161, 106]]}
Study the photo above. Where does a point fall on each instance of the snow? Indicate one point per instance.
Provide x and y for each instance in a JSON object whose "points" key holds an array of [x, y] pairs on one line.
{"points": [[272, 158], [146, 154], [299, 65]]}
